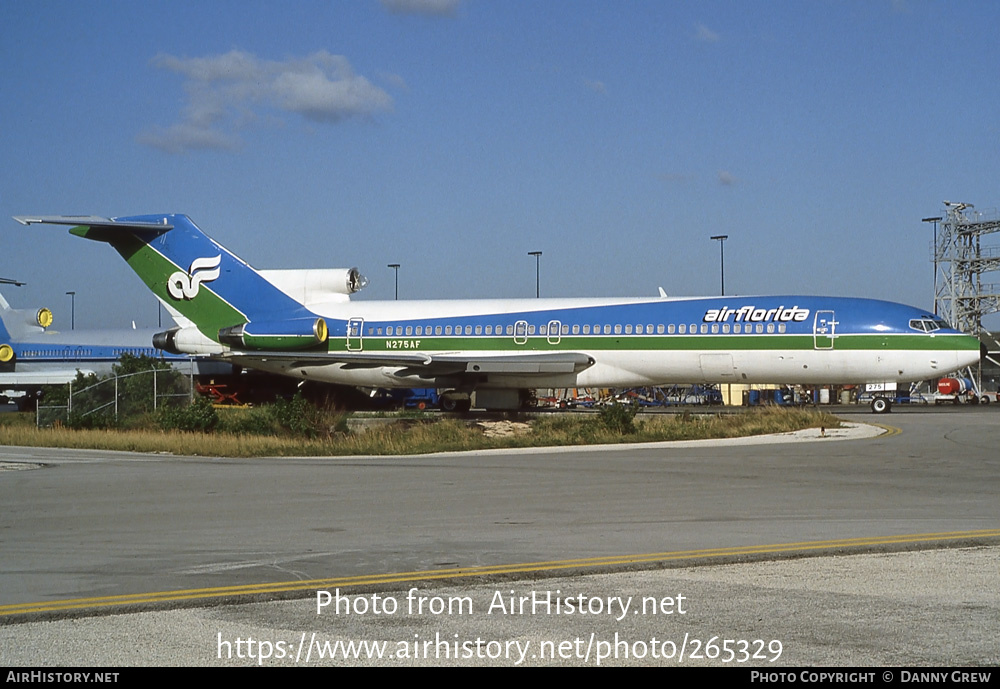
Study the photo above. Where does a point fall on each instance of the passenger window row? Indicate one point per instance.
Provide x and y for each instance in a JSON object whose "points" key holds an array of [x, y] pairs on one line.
{"points": [[596, 329]]}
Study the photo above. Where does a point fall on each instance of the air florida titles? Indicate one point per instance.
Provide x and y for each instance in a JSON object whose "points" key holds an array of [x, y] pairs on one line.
{"points": [[752, 314]]}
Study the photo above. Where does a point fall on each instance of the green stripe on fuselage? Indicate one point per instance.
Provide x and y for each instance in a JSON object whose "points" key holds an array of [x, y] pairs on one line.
{"points": [[704, 343]]}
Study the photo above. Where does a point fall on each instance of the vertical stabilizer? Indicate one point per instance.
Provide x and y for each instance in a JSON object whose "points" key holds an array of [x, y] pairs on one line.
{"points": [[189, 272]]}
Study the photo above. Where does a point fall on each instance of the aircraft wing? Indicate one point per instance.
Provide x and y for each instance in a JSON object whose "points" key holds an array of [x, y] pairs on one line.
{"points": [[18, 379], [423, 364]]}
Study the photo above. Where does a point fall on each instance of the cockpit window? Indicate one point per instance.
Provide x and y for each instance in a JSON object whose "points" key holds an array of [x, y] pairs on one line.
{"points": [[927, 324]]}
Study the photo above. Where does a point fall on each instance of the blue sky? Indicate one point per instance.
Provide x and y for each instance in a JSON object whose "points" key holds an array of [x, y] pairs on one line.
{"points": [[455, 136]]}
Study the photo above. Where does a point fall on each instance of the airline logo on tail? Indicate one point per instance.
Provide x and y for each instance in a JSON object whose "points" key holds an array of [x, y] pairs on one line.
{"points": [[185, 285]]}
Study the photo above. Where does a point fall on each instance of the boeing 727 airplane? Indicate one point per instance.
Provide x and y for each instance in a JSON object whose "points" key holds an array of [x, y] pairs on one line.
{"points": [[303, 324]]}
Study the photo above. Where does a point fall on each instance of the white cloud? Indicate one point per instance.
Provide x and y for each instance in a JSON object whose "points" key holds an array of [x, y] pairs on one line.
{"points": [[596, 86], [440, 8], [225, 92], [726, 178], [394, 80], [186, 136], [706, 35]]}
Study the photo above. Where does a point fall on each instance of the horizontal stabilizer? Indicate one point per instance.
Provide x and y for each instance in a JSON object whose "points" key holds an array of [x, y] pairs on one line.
{"points": [[93, 221]]}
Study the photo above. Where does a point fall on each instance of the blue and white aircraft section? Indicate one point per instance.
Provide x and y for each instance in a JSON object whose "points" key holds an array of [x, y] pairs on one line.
{"points": [[303, 324], [32, 354]]}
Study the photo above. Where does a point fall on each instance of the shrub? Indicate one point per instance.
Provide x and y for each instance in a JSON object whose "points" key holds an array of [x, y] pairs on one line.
{"points": [[297, 416], [619, 418], [200, 416]]}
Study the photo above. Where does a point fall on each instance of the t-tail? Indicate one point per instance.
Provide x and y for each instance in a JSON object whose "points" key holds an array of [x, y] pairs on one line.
{"points": [[217, 298]]}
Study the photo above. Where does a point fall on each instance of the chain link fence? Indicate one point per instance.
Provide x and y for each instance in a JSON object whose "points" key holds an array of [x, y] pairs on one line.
{"points": [[93, 402]]}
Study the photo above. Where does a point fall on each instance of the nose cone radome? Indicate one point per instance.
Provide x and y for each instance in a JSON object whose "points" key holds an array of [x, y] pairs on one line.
{"points": [[968, 352]]}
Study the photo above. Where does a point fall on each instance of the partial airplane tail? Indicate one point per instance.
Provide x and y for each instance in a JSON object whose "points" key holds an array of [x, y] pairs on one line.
{"points": [[6, 351], [217, 298], [4, 314], [16, 324]]}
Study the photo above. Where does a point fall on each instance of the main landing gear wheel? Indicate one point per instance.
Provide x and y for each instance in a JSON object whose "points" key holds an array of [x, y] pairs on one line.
{"points": [[881, 405], [455, 404]]}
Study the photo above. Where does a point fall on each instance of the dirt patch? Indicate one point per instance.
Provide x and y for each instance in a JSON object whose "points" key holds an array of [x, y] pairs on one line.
{"points": [[504, 429]]}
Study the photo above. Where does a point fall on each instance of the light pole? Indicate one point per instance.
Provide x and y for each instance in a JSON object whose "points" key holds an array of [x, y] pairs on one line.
{"points": [[536, 254], [395, 267], [935, 252], [722, 259], [72, 310]]}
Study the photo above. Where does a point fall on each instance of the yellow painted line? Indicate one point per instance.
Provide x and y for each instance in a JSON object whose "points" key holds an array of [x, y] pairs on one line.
{"points": [[889, 430], [435, 574]]}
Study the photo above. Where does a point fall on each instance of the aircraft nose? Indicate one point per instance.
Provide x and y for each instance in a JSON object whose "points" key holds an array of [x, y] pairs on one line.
{"points": [[971, 355]]}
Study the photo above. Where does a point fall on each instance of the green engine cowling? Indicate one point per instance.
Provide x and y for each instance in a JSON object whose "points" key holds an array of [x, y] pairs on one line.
{"points": [[296, 333]]}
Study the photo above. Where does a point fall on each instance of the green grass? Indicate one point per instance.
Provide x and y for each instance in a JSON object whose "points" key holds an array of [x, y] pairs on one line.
{"points": [[257, 439]]}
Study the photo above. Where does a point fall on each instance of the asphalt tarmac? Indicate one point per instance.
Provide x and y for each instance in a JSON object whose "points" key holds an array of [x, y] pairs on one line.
{"points": [[729, 526]]}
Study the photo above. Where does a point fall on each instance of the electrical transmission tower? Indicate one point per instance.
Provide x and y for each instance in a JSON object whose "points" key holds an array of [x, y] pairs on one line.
{"points": [[961, 258]]}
